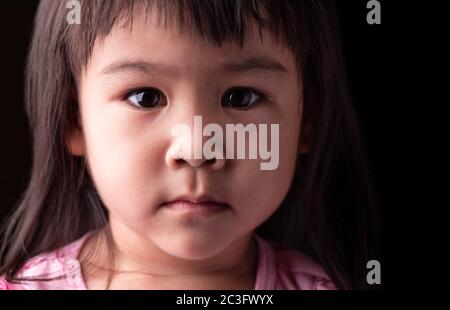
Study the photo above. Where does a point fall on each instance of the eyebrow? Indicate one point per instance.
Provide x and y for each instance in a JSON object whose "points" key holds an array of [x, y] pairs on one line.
{"points": [[253, 64]]}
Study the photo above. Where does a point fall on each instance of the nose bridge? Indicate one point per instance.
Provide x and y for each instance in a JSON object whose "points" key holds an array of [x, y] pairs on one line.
{"points": [[192, 111], [195, 106], [196, 97], [192, 96]]}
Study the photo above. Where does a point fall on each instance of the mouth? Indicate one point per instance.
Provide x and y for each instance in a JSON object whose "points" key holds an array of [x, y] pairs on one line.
{"points": [[203, 204]]}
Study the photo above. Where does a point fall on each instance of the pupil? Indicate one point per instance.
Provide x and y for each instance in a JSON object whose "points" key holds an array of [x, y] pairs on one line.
{"points": [[239, 98], [148, 99]]}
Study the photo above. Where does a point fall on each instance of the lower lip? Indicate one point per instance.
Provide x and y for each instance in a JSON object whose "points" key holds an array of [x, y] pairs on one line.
{"points": [[203, 207]]}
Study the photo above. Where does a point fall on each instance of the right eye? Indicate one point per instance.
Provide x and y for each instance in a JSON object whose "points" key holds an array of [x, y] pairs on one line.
{"points": [[145, 98]]}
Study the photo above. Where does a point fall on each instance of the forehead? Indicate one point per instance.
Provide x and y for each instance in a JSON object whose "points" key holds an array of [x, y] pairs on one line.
{"points": [[145, 39]]}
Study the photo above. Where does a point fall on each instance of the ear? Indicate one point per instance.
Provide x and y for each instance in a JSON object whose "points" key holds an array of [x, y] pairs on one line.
{"points": [[75, 142], [304, 145], [75, 138]]}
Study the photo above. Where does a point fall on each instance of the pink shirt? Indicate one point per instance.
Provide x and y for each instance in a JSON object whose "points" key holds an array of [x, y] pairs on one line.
{"points": [[278, 269]]}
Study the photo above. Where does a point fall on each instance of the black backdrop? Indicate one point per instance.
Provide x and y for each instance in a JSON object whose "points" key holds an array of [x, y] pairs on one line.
{"points": [[379, 60]]}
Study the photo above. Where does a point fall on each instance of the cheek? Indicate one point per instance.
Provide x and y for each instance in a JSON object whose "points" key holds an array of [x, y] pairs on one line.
{"points": [[124, 157], [259, 193]]}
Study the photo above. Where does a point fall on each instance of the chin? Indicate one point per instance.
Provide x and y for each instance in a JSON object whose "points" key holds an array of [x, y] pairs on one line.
{"points": [[193, 246]]}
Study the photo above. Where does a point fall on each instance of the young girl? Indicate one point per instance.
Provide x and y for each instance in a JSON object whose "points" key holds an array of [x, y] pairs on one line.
{"points": [[111, 205]]}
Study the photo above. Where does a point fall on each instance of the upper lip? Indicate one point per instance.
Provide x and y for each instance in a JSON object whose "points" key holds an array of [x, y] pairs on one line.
{"points": [[195, 199]]}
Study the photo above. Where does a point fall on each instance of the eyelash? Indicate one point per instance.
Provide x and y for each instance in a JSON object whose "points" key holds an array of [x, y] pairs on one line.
{"points": [[126, 97]]}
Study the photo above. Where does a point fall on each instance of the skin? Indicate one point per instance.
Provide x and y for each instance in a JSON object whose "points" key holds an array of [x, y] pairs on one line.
{"points": [[128, 154]]}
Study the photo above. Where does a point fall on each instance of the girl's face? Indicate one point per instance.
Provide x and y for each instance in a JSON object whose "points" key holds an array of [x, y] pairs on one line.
{"points": [[129, 149]]}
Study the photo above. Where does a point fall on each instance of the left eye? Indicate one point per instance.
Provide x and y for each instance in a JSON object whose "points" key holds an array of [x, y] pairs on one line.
{"points": [[146, 98], [241, 98]]}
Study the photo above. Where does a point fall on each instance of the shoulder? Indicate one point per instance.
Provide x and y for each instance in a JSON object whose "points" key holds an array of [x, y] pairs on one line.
{"points": [[284, 268], [57, 269]]}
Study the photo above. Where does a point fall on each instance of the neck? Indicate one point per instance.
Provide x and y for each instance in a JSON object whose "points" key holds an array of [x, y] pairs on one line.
{"points": [[139, 261]]}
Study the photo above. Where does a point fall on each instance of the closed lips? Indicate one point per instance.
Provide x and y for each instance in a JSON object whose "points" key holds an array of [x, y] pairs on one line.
{"points": [[189, 204]]}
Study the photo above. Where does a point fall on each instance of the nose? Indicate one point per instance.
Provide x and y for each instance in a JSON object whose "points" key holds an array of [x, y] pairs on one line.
{"points": [[181, 153], [214, 163]]}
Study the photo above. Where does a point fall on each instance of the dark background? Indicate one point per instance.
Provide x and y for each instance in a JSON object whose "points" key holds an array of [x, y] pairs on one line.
{"points": [[382, 62]]}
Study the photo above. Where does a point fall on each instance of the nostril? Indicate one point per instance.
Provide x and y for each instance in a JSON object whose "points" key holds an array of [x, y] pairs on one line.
{"points": [[195, 163], [179, 160], [211, 161]]}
